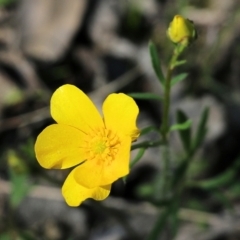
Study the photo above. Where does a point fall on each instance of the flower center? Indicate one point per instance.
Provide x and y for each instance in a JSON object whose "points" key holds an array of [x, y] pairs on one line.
{"points": [[102, 145], [99, 147]]}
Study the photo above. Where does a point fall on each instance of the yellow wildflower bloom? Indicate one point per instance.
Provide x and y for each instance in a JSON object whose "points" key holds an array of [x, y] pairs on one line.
{"points": [[99, 148], [181, 30]]}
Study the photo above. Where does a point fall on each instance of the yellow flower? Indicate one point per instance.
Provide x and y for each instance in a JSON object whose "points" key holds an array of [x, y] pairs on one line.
{"points": [[181, 30], [98, 148]]}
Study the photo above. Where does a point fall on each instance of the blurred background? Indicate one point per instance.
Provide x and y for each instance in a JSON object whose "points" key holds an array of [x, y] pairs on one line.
{"points": [[101, 46]]}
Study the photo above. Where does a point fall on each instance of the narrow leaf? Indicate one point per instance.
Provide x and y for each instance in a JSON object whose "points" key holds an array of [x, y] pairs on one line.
{"points": [[20, 188], [221, 180], [178, 78], [185, 135], [162, 220], [145, 96], [148, 130], [181, 126], [179, 173], [156, 62], [160, 224], [178, 63], [201, 130], [138, 157], [147, 144]]}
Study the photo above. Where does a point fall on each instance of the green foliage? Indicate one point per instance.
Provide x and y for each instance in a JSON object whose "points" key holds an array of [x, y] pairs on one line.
{"points": [[145, 190], [179, 63], [5, 236], [145, 96], [134, 16], [221, 180], [178, 78], [20, 188], [27, 149], [21, 235], [201, 130], [138, 156], [181, 126], [161, 222], [156, 62], [19, 179], [185, 134], [148, 130], [6, 2], [168, 187]]}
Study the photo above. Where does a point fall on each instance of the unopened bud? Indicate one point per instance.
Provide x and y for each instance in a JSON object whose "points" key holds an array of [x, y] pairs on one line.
{"points": [[181, 30]]}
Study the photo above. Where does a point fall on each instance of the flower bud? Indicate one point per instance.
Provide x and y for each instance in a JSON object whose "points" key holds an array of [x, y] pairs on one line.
{"points": [[181, 30]]}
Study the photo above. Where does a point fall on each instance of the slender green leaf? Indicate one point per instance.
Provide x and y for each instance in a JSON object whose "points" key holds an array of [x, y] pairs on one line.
{"points": [[178, 63], [138, 157], [201, 130], [19, 176], [20, 188], [181, 126], [162, 220], [145, 96], [148, 130], [185, 135], [160, 224], [219, 181], [147, 144], [179, 173], [178, 78], [156, 62], [174, 218]]}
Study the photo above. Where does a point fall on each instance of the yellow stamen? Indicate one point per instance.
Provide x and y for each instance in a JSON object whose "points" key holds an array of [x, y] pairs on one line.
{"points": [[102, 145]]}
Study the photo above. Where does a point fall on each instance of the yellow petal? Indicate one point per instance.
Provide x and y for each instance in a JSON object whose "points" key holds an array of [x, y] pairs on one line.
{"points": [[120, 113], [119, 166], [71, 106], [181, 30], [89, 174], [59, 146], [75, 193]]}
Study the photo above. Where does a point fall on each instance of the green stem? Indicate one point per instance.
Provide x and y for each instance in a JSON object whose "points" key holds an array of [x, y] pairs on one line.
{"points": [[167, 90], [172, 209], [147, 144], [163, 218], [164, 182], [166, 106]]}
